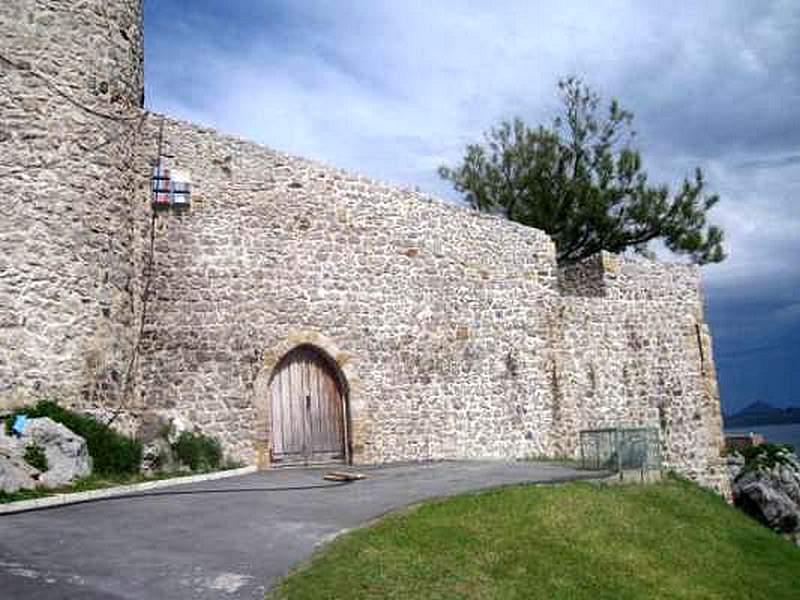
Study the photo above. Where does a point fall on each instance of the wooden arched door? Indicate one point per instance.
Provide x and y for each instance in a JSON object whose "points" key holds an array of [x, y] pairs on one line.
{"points": [[307, 410]]}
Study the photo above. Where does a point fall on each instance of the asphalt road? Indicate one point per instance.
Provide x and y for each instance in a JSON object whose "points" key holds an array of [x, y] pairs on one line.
{"points": [[229, 538]]}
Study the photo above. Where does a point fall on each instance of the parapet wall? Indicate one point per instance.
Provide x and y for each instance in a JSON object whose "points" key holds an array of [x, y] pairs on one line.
{"points": [[442, 311], [463, 338]]}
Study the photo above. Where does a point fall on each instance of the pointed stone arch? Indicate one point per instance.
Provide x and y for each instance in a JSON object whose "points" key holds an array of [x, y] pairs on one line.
{"points": [[342, 365]]}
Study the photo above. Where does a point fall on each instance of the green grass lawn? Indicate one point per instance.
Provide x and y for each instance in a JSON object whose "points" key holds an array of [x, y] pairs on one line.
{"points": [[666, 540]]}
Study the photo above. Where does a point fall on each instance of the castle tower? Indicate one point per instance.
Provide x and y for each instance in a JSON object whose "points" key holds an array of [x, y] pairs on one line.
{"points": [[91, 49], [71, 88]]}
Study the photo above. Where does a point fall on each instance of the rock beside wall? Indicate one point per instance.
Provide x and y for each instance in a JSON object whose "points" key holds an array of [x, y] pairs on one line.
{"points": [[15, 473], [67, 453], [67, 456], [771, 493]]}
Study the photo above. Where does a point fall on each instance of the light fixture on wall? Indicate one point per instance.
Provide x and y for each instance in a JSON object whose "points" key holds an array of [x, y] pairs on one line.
{"points": [[171, 187]]}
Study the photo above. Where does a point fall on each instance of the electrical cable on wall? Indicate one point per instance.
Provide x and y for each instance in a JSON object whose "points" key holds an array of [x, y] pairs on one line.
{"points": [[148, 278], [50, 164], [87, 149], [103, 115]]}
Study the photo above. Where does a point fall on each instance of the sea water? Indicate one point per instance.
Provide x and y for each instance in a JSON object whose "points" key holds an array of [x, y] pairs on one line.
{"points": [[788, 433]]}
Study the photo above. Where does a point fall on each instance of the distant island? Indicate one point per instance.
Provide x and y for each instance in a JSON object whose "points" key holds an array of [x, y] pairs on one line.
{"points": [[761, 413]]}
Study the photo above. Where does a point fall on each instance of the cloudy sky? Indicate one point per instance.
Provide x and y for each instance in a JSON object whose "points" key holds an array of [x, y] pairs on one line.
{"points": [[392, 89]]}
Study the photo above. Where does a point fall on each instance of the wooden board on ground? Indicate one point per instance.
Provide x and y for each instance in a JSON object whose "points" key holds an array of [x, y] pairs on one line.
{"points": [[341, 476]]}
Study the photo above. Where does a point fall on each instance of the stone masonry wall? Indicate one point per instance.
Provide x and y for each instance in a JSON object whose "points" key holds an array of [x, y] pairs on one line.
{"points": [[637, 352], [70, 88], [442, 312], [463, 338]]}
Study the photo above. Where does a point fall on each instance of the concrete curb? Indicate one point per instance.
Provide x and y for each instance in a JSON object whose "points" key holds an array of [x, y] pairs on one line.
{"points": [[112, 492]]}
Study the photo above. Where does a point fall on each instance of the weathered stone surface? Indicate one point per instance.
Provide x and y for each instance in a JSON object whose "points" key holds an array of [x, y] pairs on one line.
{"points": [[457, 334], [69, 96], [759, 495], [15, 473], [153, 432], [157, 455], [177, 426], [772, 495], [735, 465], [67, 454]]}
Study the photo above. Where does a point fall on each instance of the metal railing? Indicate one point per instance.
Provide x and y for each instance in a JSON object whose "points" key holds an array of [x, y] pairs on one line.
{"points": [[620, 449]]}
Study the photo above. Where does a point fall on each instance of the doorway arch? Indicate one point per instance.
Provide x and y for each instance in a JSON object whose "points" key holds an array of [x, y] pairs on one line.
{"points": [[308, 409]]}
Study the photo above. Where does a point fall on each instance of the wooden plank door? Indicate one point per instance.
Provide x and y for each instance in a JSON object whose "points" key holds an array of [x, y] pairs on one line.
{"points": [[307, 410]]}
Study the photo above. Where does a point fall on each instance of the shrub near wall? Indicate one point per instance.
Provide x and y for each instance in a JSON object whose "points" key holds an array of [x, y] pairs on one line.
{"points": [[35, 457], [197, 451], [112, 453]]}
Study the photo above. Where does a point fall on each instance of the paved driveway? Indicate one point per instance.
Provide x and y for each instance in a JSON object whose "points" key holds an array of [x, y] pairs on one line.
{"points": [[223, 539]]}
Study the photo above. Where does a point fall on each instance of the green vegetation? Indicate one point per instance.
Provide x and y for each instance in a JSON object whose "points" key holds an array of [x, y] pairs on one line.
{"points": [[197, 451], [116, 458], [113, 454], [766, 456], [581, 181], [666, 540], [35, 457]]}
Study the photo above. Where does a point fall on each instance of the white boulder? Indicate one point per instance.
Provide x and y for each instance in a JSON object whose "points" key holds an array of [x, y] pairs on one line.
{"points": [[16, 474], [67, 453]]}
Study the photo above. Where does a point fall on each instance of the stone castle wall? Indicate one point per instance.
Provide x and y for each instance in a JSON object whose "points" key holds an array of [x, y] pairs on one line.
{"points": [[428, 302], [457, 334], [462, 337], [70, 90], [638, 352]]}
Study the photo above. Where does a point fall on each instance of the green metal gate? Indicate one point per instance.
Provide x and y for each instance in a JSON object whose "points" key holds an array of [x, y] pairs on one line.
{"points": [[620, 449]]}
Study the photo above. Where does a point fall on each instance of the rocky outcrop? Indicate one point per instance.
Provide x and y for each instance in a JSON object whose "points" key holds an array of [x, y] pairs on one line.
{"points": [[157, 456], [769, 490], [67, 456], [16, 475], [735, 465]]}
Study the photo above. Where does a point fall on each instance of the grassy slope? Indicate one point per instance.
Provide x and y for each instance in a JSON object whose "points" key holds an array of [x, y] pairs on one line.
{"points": [[668, 540]]}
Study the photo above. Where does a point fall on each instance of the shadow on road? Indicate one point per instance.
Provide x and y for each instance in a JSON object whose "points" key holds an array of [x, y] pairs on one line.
{"points": [[146, 494]]}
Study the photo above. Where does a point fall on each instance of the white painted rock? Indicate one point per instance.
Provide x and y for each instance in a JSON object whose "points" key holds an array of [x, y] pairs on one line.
{"points": [[67, 454]]}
